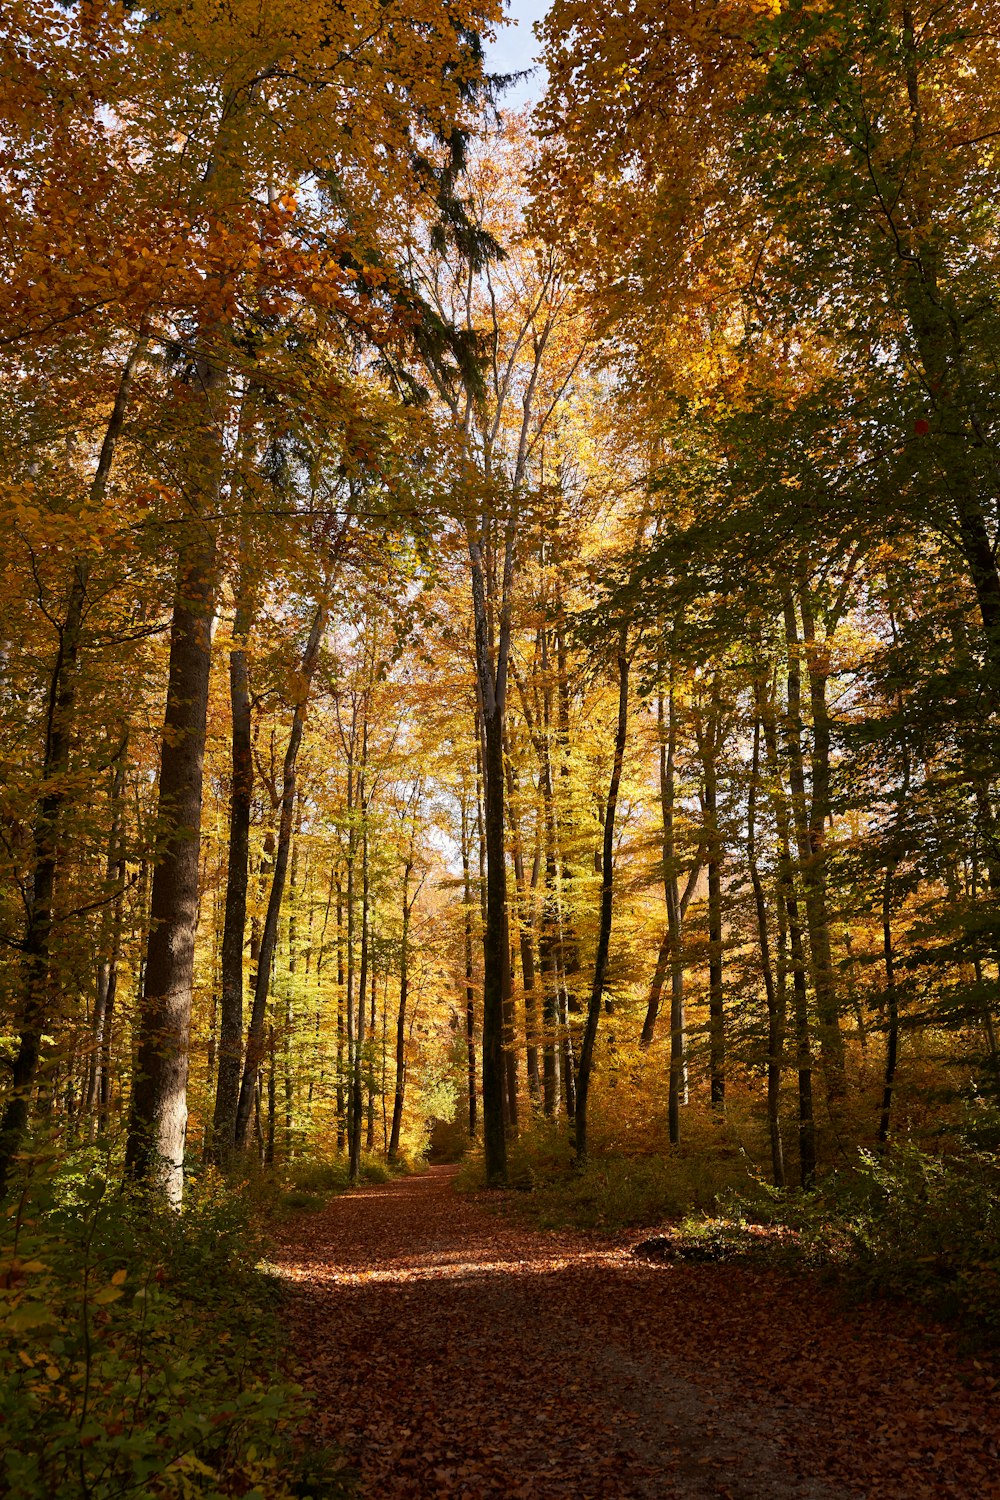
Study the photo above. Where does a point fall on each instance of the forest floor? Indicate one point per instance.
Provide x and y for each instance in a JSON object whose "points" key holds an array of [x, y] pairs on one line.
{"points": [[452, 1352]]}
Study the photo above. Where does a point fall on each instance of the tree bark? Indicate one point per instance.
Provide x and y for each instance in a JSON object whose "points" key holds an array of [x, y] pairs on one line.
{"points": [[811, 863], [470, 994], [404, 981], [61, 713], [158, 1115], [775, 1009], [237, 876], [586, 1064], [269, 933], [789, 902]]}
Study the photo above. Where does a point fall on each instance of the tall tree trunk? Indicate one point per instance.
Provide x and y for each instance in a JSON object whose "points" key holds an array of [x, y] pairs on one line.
{"points": [[586, 1064], [671, 953], [372, 1015], [269, 933], [470, 994], [525, 935], [775, 1010], [708, 744], [404, 981], [491, 674], [111, 934], [237, 875], [892, 1005], [341, 1074], [157, 1126], [811, 862], [357, 1078], [789, 902]]}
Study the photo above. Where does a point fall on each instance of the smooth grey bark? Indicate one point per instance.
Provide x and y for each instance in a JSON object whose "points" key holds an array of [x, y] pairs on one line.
{"points": [[157, 1126]]}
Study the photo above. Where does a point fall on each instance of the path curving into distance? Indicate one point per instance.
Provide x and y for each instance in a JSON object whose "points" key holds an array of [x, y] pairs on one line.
{"points": [[452, 1353]]}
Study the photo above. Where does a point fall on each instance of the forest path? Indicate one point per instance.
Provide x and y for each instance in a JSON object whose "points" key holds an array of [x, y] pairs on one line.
{"points": [[452, 1353]]}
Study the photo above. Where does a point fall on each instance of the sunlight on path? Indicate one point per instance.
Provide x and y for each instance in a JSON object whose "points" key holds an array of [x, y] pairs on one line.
{"points": [[455, 1354]]}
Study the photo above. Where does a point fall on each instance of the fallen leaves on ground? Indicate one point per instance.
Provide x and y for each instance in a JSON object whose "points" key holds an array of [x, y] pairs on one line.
{"points": [[453, 1354]]}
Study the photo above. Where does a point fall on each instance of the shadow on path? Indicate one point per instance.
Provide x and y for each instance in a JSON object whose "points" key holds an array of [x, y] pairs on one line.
{"points": [[454, 1354]]}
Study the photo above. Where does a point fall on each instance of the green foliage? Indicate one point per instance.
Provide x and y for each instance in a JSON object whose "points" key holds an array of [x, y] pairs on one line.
{"points": [[909, 1224], [613, 1190], [139, 1349], [313, 1181]]}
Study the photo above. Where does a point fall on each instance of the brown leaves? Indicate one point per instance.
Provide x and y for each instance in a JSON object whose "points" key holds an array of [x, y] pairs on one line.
{"points": [[456, 1355]]}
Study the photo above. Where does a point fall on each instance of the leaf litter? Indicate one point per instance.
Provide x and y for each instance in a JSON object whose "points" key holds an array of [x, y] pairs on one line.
{"points": [[452, 1353]]}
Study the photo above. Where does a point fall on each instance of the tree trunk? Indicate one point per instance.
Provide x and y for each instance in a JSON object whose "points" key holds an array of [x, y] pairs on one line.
{"points": [[404, 980], [775, 1011], [157, 1126], [470, 994], [61, 712], [237, 875], [708, 745], [111, 933], [357, 1078], [491, 677], [811, 863], [789, 902], [586, 1065], [269, 934]]}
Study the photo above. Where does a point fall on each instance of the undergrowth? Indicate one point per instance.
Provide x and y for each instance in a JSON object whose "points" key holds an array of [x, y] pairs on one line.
{"points": [[907, 1223], [140, 1352], [310, 1183]]}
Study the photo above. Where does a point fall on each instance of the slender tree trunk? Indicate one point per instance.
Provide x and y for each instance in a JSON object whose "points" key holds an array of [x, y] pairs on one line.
{"points": [[708, 744], [491, 679], [370, 1132], [524, 933], [812, 864], [111, 933], [892, 1006], [237, 875], [341, 1074], [470, 994], [404, 980], [775, 1011], [672, 948], [357, 1079], [61, 713], [800, 1002], [586, 1065], [269, 934]]}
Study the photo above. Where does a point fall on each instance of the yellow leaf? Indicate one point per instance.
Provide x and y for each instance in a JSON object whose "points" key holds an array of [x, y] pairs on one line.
{"points": [[107, 1294]]}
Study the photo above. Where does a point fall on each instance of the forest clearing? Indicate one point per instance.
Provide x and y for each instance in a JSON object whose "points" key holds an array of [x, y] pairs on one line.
{"points": [[499, 749]]}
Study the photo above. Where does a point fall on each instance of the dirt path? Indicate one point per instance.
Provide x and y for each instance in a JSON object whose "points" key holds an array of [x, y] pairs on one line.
{"points": [[453, 1354]]}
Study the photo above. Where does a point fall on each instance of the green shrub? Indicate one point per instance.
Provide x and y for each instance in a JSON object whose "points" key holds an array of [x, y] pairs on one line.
{"points": [[297, 1200], [374, 1169], [139, 1350], [907, 1223], [612, 1190], [320, 1176]]}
